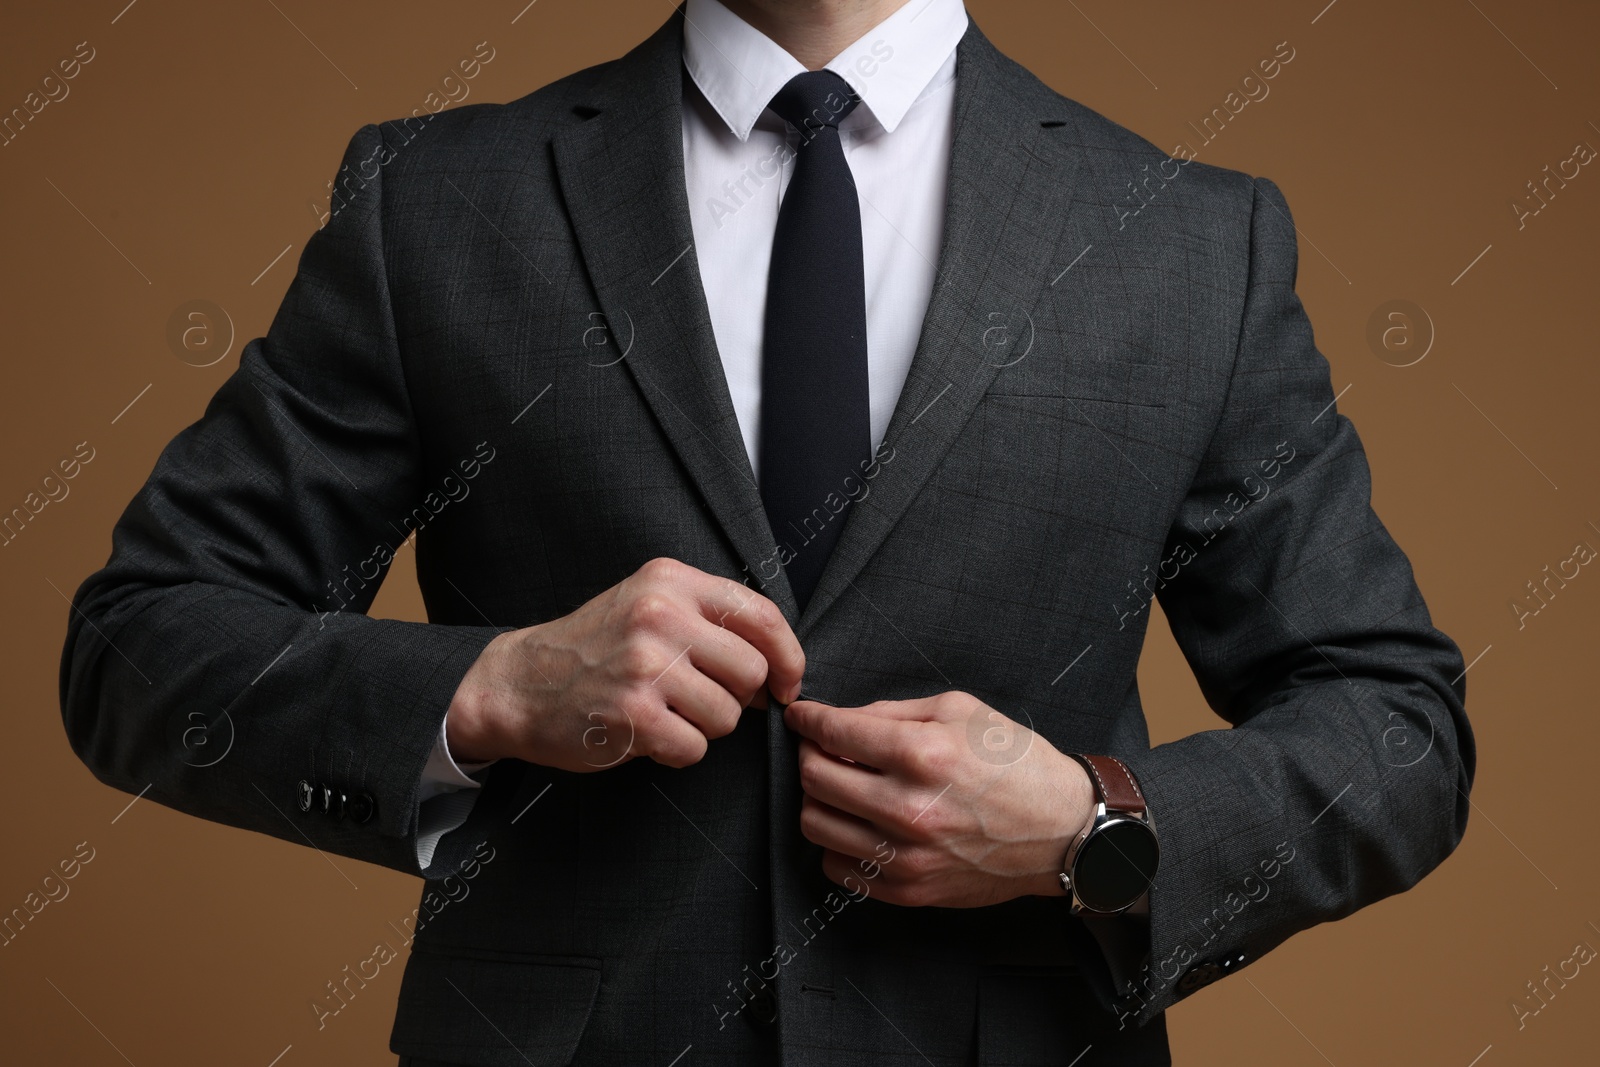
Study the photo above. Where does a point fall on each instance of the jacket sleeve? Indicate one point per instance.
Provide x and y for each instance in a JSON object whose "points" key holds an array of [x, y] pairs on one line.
{"points": [[221, 662], [1344, 778]]}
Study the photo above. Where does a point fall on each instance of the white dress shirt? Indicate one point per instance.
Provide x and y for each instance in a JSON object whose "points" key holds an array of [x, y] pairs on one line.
{"points": [[738, 158]]}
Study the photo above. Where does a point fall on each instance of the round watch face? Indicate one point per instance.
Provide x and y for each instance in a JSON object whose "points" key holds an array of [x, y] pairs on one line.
{"points": [[1115, 865]]}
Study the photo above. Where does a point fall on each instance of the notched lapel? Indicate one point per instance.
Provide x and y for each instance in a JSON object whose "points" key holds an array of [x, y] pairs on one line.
{"points": [[622, 179], [1009, 194]]}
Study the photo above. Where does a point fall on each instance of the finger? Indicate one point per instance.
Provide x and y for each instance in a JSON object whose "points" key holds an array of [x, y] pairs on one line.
{"points": [[725, 658], [823, 824], [753, 617], [855, 790], [841, 870], [852, 733], [939, 708], [704, 703], [666, 717], [663, 735]]}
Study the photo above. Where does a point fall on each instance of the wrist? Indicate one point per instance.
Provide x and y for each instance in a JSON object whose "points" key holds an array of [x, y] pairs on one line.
{"points": [[1070, 810], [470, 723]]}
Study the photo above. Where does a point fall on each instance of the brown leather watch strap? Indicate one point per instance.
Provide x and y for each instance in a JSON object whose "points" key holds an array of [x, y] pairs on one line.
{"points": [[1113, 782]]}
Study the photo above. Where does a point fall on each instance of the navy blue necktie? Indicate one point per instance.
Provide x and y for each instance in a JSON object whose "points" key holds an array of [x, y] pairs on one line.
{"points": [[816, 429]]}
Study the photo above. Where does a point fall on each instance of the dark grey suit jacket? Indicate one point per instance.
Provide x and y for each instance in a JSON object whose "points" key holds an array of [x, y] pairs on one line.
{"points": [[499, 340]]}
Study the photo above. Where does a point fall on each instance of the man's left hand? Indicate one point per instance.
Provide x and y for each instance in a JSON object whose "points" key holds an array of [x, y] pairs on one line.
{"points": [[977, 808]]}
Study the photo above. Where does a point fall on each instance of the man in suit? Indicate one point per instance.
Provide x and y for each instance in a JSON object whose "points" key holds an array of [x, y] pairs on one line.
{"points": [[796, 418]]}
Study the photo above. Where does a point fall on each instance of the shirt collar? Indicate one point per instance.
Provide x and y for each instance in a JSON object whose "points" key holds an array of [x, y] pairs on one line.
{"points": [[739, 69]]}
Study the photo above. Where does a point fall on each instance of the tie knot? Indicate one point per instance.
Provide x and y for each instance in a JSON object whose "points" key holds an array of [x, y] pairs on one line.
{"points": [[815, 99]]}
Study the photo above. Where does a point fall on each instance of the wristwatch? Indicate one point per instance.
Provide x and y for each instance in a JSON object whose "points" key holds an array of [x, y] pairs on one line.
{"points": [[1112, 862]]}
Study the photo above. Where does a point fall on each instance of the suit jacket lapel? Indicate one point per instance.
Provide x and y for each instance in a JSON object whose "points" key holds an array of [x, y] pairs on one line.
{"points": [[1008, 197], [622, 178]]}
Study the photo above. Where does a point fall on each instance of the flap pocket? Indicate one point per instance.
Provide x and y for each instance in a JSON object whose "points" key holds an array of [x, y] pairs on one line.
{"points": [[494, 1009]]}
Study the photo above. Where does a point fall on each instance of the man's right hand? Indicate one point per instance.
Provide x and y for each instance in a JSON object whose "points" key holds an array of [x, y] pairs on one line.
{"points": [[655, 666]]}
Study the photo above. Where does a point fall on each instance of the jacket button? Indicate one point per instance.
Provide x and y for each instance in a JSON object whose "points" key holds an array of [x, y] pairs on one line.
{"points": [[360, 807], [303, 795], [763, 1008], [1203, 975], [326, 798]]}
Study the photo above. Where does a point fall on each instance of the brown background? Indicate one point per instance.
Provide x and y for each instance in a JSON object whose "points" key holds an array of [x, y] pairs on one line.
{"points": [[186, 157]]}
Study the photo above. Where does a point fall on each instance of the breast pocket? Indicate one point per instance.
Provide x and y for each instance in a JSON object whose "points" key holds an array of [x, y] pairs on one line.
{"points": [[1077, 436], [1090, 381], [493, 1009]]}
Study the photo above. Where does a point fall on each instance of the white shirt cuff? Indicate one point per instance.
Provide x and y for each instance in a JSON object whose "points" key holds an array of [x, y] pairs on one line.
{"points": [[442, 774], [447, 796]]}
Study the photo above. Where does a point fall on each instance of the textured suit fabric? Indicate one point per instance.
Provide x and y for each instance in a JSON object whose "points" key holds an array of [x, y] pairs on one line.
{"points": [[1106, 405]]}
